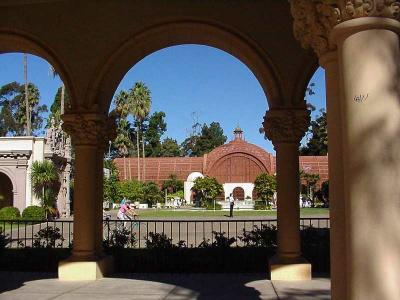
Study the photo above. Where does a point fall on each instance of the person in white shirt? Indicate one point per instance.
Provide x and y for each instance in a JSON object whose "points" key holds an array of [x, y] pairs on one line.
{"points": [[231, 204]]}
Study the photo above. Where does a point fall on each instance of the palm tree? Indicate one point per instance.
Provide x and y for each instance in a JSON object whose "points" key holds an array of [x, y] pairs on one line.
{"points": [[122, 142], [140, 102], [44, 178], [27, 106]]}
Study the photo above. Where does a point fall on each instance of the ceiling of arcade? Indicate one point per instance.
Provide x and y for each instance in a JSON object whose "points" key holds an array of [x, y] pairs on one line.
{"points": [[93, 44]]}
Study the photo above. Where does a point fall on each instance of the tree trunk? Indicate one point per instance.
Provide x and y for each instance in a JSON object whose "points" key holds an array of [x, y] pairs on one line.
{"points": [[144, 162], [27, 111], [138, 151], [124, 167], [62, 99]]}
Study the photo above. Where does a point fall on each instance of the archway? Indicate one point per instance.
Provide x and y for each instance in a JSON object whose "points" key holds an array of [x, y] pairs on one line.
{"points": [[6, 191], [238, 193]]}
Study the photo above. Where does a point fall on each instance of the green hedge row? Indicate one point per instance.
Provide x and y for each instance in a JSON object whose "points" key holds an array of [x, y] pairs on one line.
{"points": [[29, 213]]}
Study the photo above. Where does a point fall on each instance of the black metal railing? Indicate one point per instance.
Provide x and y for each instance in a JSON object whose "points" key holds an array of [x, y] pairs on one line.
{"points": [[136, 233]]}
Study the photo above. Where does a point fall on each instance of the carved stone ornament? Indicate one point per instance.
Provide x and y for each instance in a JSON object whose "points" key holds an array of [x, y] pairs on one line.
{"points": [[89, 128], [286, 125], [315, 19]]}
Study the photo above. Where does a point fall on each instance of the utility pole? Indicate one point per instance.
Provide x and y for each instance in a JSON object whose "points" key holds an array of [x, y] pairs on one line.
{"points": [[27, 108]]}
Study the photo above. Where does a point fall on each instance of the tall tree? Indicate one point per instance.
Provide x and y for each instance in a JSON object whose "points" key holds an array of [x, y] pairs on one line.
{"points": [[123, 141], [13, 109], [153, 131], [170, 148], [210, 137], [318, 143], [140, 102], [56, 108], [26, 90]]}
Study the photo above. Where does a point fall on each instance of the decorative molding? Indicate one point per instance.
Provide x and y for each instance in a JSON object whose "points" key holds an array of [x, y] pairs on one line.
{"points": [[89, 128], [286, 125], [313, 20]]}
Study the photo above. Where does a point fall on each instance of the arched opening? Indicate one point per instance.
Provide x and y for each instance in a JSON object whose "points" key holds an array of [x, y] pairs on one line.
{"points": [[34, 79], [238, 193], [6, 191]]}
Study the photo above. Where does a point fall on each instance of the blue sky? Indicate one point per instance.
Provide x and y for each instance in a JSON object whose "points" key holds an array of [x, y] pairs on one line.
{"points": [[187, 82]]}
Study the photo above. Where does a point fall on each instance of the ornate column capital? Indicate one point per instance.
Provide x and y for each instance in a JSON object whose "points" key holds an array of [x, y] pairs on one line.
{"points": [[89, 128], [315, 19], [286, 125]]}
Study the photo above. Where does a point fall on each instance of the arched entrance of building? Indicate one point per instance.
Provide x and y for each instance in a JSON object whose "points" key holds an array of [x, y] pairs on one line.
{"points": [[6, 191], [238, 193]]}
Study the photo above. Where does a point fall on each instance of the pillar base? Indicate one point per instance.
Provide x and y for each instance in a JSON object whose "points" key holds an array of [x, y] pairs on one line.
{"points": [[289, 269], [73, 269]]}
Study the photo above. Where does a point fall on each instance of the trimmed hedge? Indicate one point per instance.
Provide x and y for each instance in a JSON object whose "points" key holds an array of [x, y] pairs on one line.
{"points": [[34, 213], [9, 213]]}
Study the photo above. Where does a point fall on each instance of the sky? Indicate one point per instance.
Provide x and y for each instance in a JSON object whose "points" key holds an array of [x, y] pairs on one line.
{"points": [[190, 83]]}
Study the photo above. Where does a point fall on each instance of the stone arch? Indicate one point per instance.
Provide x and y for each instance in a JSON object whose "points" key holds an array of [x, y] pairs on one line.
{"points": [[165, 35], [17, 41], [6, 190]]}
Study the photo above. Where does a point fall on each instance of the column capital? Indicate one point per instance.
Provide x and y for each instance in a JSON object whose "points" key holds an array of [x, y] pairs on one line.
{"points": [[286, 125], [89, 128], [315, 19]]}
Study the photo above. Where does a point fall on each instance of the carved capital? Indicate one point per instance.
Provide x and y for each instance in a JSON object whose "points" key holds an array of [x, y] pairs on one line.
{"points": [[313, 20], [286, 125], [89, 128]]}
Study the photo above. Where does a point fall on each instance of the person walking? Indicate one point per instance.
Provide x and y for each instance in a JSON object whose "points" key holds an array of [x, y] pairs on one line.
{"points": [[231, 204]]}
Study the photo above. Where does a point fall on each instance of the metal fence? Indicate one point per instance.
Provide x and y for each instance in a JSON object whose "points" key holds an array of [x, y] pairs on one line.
{"points": [[28, 233]]}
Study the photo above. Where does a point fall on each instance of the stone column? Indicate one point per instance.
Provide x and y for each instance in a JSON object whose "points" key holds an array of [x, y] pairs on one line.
{"points": [[358, 45], [371, 148], [86, 263], [285, 128], [337, 207], [108, 133]]}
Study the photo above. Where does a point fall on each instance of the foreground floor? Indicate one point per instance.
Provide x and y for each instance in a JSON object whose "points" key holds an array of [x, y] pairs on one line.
{"points": [[34, 286]]}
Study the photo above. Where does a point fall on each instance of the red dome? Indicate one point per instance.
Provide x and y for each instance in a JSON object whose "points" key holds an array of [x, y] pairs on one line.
{"points": [[237, 161]]}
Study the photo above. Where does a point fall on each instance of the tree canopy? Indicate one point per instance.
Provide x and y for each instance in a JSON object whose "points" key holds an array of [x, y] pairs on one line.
{"points": [[208, 187], [13, 114], [318, 143], [265, 186], [207, 140]]}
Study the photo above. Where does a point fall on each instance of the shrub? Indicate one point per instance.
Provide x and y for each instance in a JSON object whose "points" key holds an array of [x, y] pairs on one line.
{"points": [[4, 239], [47, 238], [9, 213], [210, 206], [34, 213], [158, 241], [221, 241], [260, 205], [120, 238], [264, 236]]}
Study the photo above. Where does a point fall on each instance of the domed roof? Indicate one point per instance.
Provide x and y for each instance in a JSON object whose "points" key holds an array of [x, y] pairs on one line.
{"points": [[239, 147]]}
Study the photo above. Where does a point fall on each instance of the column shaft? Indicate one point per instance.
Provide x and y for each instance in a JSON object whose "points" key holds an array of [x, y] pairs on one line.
{"points": [[287, 172], [369, 67], [336, 185], [99, 202], [84, 202]]}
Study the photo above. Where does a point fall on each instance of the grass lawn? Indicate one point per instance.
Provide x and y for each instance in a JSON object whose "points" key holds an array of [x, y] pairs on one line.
{"points": [[150, 213]]}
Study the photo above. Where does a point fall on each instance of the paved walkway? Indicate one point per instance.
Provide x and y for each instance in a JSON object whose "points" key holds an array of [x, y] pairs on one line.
{"points": [[32, 286]]}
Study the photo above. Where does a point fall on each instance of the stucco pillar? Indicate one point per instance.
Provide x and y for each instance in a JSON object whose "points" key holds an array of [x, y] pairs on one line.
{"points": [[369, 69], [285, 128], [86, 262], [358, 45], [337, 209]]}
